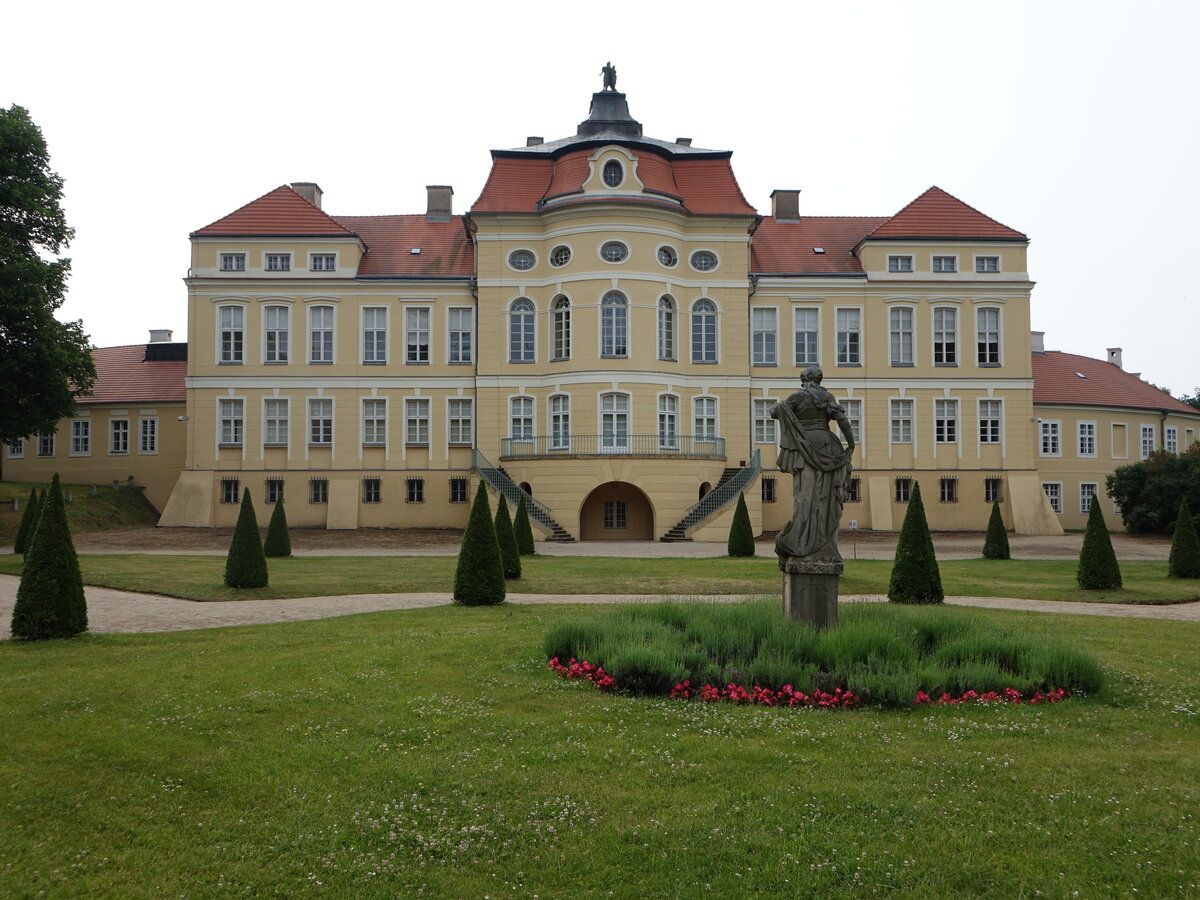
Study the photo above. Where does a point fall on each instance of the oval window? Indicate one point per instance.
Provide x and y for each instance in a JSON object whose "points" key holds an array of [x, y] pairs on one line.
{"points": [[667, 256], [560, 255], [614, 173], [614, 251], [521, 260], [704, 261]]}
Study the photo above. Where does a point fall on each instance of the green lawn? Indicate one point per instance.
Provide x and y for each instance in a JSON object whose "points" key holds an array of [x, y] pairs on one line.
{"points": [[110, 508], [430, 752], [201, 577]]}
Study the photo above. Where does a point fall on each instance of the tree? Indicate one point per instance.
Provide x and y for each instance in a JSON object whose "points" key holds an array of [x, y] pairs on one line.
{"points": [[523, 530], [246, 564], [1184, 561], [995, 545], [50, 600], [28, 523], [916, 577], [510, 554], [741, 535], [278, 542], [479, 578], [1148, 492], [1098, 569], [44, 363]]}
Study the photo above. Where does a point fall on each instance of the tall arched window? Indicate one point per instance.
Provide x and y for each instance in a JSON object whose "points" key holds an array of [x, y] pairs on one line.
{"points": [[562, 328], [704, 332], [520, 331], [614, 422], [666, 327], [614, 325]]}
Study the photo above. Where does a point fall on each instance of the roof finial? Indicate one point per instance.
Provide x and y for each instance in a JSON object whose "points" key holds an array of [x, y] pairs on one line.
{"points": [[610, 76]]}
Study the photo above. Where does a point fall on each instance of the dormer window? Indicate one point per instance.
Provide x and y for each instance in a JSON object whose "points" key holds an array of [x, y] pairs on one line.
{"points": [[613, 173], [233, 262], [279, 262], [900, 264]]}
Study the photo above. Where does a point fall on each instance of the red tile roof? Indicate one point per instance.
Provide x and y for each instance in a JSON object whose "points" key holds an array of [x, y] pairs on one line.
{"points": [[123, 376], [709, 186], [280, 212], [1056, 379], [936, 214], [445, 247], [515, 185], [779, 248]]}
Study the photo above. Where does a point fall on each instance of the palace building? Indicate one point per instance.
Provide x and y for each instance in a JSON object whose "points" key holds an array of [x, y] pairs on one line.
{"points": [[605, 330]]}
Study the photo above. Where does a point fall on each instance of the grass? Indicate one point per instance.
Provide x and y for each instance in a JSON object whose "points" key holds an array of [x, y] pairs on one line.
{"points": [[202, 577], [110, 508], [431, 753]]}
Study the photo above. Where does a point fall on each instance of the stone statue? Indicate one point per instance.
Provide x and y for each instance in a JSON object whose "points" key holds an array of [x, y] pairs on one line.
{"points": [[610, 76]]}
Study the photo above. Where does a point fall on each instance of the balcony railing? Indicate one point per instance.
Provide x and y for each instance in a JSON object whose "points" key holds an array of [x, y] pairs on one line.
{"points": [[548, 446]]}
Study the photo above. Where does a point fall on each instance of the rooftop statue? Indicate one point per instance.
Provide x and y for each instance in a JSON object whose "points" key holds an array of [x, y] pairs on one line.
{"points": [[610, 76]]}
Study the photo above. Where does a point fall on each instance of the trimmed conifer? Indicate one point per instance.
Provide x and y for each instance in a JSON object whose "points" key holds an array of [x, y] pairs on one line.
{"points": [[1184, 561], [741, 535], [1098, 569], [522, 529], [995, 545], [50, 601], [916, 577], [278, 542], [479, 578], [28, 523], [246, 564], [510, 554]]}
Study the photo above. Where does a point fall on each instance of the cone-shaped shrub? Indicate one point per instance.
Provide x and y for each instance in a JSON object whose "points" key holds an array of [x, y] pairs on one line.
{"points": [[1185, 546], [510, 554], [50, 601], [28, 523], [1098, 569], [741, 535], [479, 579], [246, 565], [916, 577], [278, 542], [522, 529], [995, 545]]}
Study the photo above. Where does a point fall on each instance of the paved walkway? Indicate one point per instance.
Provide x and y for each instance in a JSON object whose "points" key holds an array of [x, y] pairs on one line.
{"points": [[126, 612]]}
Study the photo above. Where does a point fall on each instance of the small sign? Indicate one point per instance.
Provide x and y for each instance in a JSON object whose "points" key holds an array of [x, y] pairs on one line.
{"points": [[853, 524]]}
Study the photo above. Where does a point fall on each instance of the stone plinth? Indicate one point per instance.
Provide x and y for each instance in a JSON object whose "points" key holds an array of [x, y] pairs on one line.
{"points": [[810, 589]]}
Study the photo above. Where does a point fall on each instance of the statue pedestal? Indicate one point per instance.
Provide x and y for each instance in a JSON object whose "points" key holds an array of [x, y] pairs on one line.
{"points": [[810, 589]]}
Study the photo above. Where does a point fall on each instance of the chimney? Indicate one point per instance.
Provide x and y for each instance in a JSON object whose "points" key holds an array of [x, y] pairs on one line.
{"points": [[534, 140], [1114, 357], [1037, 341], [785, 205], [160, 335], [686, 142], [309, 190], [438, 209]]}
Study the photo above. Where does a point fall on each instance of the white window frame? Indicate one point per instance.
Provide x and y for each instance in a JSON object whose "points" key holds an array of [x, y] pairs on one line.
{"points": [[998, 418], [418, 335], [900, 262], [522, 417], [327, 334], [704, 250], [704, 332], [276, 426], [16, 448], [559, 412], [980, 332], [764, 335], [276, 340], [522, 331], [667, 312], [1087, 498], [941, 259], [560, 328], [613, 243], [147, 435], [1086, 441], [614, 325], [902, 335], [613, 419], [47, 441], [234, 257], [1053, 492], [1149, 441], [282, 261], [945, 341], [460, 342], [320, 421], [313, 256], [853, 408], [374, 321], [1171, 438], [460, 428], [533, 257], [902, 413], [231, 336], [231, 421], [118, 436], [764, 425], [668, 421], [1050, 438], [706, 421], [374, 414], [417, 430], [982, 264], [849, 350], [805, 360], [945, 420]]}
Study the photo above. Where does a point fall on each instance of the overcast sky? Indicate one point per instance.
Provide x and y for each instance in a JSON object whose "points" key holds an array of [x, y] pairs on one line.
{"points": [[1074, 122]]}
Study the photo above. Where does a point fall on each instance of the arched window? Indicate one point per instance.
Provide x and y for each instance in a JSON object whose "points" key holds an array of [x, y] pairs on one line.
{"points": [[666, 327], [562, 328], [614, 422], [520, 331], [560, 422], [614, 325], [704, 332]]}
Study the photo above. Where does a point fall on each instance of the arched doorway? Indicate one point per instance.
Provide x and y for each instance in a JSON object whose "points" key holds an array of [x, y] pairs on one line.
{"points": [[616, 511]]}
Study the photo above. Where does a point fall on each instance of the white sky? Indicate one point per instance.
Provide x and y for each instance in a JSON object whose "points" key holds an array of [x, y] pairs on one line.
{"points": [[1074, 122]]}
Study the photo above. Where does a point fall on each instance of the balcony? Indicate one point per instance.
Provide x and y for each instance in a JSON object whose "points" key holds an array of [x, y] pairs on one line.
{"points": [[551, 446]]}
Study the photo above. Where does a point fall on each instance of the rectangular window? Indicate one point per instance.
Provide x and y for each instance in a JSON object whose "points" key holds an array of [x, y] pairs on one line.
{"points": [[229, 490], [414, 490], [989, 421], [854, 490], [274, 491], [233, 262], [320, 422], [902, 421], [900, 321], [853, 410], [232, 323], [807, 322], [232, 426], [614, 422], [987, 337], [1087, 438], [279, 262], [1171, 444], [704, 418], [320, 334], [768, 490], [1051, 439], [900, 264], [118, 435], [460, 335], [372, 490], [16, 448], [992, 488], [375, 336], [945, 336], [322, 262], [318, 490], [416, 336], [987, 264], [668, 422], [765, 336], [560, 422], [1053, 491], [945, 264], [275, 422], [948, 490], [614, 514], [849, 323], [460, 422], [45, 445], [945, 421], [374, 413], [275, 334], [764, 425], [520, 418], [458, 490], [903, 490], [1087, 493], [416, 421], [1147, 441]]}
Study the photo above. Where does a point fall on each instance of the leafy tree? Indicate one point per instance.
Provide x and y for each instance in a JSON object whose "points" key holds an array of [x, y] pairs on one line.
{"points": [[246, 564], [1192, 399], [916, 577], [50, 601], [741, 534], [523, 530], [1184, 561], [995, 545], [1098, 569], [510, 554], [479, 578], [28, 523], [1148, 492], [278, 542], [44, 363]]}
